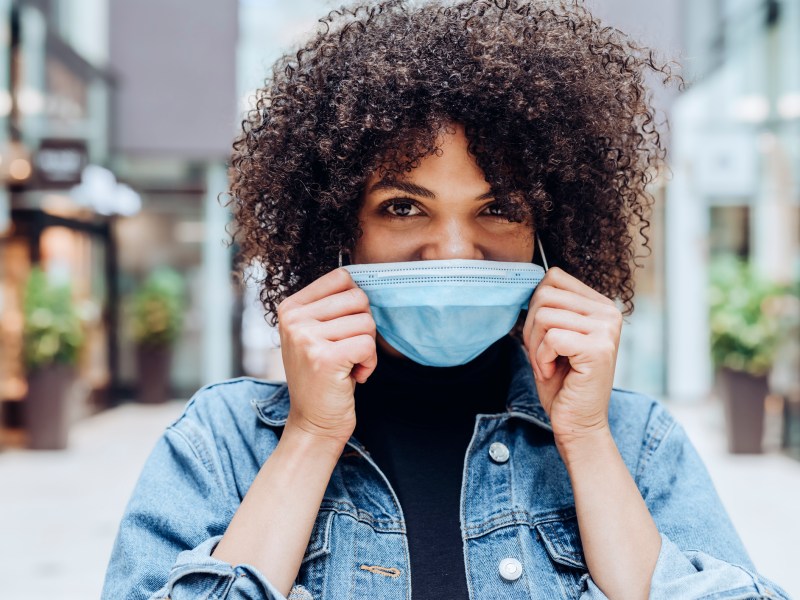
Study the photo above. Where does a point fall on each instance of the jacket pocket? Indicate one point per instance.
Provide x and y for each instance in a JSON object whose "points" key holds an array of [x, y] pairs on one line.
{"points": [[562, 540], [311, 578], [320, 542]]}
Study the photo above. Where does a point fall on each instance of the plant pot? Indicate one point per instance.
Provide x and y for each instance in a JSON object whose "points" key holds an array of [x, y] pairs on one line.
{"points": [[743, 397], [47, 411], [154, 373], [791, 425]]}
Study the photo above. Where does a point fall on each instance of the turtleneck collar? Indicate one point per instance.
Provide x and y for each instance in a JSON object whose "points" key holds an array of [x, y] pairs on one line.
{"points": [[400, 390]]}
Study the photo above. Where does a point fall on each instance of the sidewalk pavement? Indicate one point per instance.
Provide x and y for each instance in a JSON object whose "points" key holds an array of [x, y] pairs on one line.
{"points": [[59, 511], [760, 492]]}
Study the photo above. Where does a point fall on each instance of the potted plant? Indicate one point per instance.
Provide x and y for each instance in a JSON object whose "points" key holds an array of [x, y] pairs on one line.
{"points": [[157, 319], [746, 330], [52, 339]]}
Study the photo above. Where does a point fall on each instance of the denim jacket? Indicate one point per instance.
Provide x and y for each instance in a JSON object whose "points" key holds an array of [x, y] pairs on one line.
{"points": [[519, 510]]}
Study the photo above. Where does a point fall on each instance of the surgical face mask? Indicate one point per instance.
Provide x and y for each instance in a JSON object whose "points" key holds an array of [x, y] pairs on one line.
{"points": [[444, 313]]}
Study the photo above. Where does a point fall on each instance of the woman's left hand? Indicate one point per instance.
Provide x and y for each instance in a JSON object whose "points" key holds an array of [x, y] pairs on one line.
{"points": [[572, 337]]}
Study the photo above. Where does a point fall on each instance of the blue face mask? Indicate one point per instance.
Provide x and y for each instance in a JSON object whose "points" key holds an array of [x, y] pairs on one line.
{"points": [[443, 313]]}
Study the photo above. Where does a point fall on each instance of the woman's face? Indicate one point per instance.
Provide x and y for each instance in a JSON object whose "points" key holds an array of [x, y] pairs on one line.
{"points": [[443, 209]]}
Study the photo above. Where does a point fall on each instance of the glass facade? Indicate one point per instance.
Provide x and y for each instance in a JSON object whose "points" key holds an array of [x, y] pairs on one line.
{"points": [[737, 171]]}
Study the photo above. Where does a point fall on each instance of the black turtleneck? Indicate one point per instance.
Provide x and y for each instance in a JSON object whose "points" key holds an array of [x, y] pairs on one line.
{"points": [[416, 422]]}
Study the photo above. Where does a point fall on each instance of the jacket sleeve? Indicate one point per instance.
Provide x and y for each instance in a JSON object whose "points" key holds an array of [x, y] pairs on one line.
{"points": [[701, 554], [176, 516]]}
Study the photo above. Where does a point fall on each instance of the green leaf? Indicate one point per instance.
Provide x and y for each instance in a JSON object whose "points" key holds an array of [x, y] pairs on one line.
{"points": [[748, 316], [52, 331], [157, 309]]}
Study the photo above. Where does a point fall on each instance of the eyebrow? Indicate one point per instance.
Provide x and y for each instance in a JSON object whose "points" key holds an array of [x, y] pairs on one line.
{"points": [[413, 189]]}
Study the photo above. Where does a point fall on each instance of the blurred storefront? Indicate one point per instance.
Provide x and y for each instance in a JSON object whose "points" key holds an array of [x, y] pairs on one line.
{"points": [[85, 105], [176, 117], [55, 94], [736, 164]]}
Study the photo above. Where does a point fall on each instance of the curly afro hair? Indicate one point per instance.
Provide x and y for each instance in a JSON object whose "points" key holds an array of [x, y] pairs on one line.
{"points": [[554, 107]]}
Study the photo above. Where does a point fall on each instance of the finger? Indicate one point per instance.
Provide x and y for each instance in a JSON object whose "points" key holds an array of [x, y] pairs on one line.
{"points": [[557, 298], [361, 353], [345, 327], [558, 342], [361, 373], [548, 296], [337, 280], [560, 279], [348, 302], [546, 318]]}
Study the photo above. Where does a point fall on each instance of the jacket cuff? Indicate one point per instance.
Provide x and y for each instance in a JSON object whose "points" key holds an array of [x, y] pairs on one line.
{"points": [[693, 574], [198, 574]]}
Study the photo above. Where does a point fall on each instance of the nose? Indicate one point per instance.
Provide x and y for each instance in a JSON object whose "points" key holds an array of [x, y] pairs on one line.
{"points": [[452, 238]]}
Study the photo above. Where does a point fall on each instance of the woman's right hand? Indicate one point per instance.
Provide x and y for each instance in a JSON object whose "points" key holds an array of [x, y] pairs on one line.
{"points": [[328, 345]]}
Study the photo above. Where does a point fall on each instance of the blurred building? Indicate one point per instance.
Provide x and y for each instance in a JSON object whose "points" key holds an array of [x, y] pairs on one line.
{"points": [[736, 184], [176, 115], [55, 101], [736, 164], [116, 122]]}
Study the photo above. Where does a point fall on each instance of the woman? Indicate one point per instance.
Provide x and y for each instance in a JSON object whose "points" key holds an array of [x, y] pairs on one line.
{"points": [[443, 429]]}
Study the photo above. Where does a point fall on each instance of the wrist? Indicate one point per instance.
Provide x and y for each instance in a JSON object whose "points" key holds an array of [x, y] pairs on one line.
{"points": [[584, 445], [310, 440]]}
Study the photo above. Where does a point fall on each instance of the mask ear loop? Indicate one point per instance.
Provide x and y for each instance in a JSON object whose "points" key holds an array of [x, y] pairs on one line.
{"points": [[538, 241], [341, 263]]}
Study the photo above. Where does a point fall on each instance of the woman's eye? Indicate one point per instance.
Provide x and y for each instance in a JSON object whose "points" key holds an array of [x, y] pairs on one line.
{"points": [[398, 208], [496, 210]]}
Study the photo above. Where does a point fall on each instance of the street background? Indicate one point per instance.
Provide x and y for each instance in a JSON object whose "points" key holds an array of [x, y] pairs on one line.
{"points": [[117, 300]]}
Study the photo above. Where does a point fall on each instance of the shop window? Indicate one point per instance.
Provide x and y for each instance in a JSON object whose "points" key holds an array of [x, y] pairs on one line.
{"points": [[730, 230]]}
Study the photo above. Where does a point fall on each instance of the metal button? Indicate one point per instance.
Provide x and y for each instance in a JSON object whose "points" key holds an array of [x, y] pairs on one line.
{"points": [[510, 569], [499, 452]]}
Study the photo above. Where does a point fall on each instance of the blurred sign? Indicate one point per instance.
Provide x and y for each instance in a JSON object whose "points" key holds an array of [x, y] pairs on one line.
{"points": [[59, 163], [100, 191]]}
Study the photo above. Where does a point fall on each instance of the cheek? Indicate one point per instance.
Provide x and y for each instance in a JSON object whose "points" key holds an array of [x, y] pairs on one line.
{"points": [[363, 248], [514, 246], [380, 244]]}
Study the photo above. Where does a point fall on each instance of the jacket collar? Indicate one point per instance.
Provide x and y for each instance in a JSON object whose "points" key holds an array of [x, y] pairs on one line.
{"points": [[523, 398]]}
